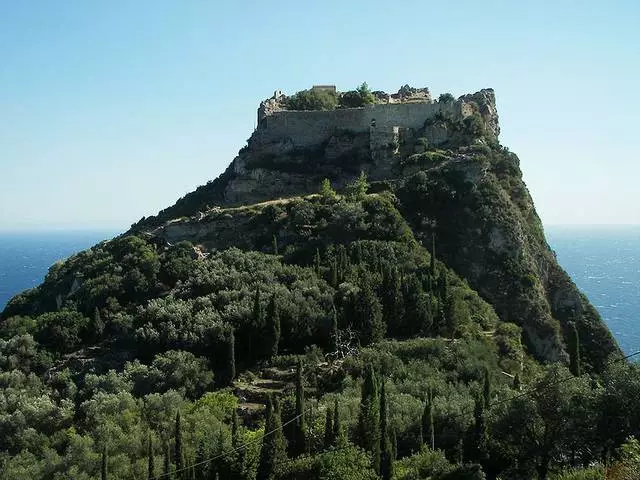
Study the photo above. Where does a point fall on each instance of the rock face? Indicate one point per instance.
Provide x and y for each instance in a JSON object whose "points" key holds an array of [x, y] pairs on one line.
{"points": [[453, 181]]}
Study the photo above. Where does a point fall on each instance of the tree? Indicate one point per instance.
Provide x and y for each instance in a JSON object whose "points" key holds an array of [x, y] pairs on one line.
{"points": [[334, 332], [534, 428], [479, 451], [274, 244], [273, 450], [150, 459], [97, 325], [299, 438], [178, 454], [273, 327], [574, 350], [368, 429], [257, 314], [326, 192], [427, 421], [231, 357], [357, 189], [317, 262], [446, 98], [337, 426], [105, 460], [486, 390], [235, 430], [386, 450], [432, 263], [365, 94], [457, 314], [313, 99], [200, 469], [417, 308], [392, 301], [367, 314], [166, 471], [334, 273], [328, 430]]}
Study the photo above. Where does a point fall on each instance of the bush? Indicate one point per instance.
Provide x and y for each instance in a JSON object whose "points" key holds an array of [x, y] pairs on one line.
{"points": [[357, 98], [446, 98], [313, 100]]}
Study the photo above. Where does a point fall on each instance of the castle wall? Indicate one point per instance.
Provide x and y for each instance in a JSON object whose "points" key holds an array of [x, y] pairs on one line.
{"points": [[309, 128]]}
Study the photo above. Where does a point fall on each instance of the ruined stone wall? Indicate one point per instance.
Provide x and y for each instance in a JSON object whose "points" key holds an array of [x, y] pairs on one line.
{"points": [[309, 128]]}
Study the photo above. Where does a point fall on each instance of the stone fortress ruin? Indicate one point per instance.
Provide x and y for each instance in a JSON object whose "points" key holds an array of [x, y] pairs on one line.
{"points": [[383, 120]]}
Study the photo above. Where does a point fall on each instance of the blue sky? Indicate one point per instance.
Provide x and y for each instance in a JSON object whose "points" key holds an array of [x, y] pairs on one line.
{"points": [[112, 110]]}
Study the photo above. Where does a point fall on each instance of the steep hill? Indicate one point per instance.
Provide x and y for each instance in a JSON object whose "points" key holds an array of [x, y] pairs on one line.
{"points": [[452, 179], [372, 268]]}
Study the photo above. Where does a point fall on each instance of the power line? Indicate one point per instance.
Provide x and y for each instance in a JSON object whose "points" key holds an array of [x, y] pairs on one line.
{"points": [[544, 386], [260, 439], [233, 450]]}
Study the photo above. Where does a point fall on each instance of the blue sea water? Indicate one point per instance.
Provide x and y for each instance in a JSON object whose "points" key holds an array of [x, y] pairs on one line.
{"points": [[603, 261], [25, 258]]}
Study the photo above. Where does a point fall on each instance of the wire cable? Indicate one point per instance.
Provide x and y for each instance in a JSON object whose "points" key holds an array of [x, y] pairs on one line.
{"points": [[260, 439]]}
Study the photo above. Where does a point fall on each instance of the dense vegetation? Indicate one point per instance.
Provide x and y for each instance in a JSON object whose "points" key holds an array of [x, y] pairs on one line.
{"points": [[329, 336], [320, 99]]}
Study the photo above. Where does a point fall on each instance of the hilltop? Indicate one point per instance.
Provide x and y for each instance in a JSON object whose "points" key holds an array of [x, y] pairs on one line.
{"points": [[451, 178], [371, 266]]}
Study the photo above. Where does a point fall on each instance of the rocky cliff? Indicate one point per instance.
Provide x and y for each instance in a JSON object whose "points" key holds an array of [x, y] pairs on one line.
{"points": [[455, 185]]}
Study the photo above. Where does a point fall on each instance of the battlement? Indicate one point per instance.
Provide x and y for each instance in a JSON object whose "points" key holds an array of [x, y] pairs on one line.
{"points": [[382, 120]]}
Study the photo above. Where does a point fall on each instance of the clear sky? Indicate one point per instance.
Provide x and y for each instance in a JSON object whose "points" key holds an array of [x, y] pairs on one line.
{"points": [[111, 110]]}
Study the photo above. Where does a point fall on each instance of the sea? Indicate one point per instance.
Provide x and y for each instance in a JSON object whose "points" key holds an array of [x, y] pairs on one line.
{"points": [[603, 261]]}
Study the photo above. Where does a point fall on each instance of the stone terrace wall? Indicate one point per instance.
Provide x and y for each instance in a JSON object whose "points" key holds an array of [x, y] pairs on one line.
{"points": [[310, 128]]}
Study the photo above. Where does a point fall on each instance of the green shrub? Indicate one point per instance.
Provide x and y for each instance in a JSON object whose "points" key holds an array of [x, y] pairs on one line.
{"points": [[313, 100]]}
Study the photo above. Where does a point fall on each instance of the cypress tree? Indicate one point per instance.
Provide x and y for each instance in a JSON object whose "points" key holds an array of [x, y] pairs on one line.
{"points": [[328, 430], [368, 430], [200, 467], [274, 243], [167, 461], [337, 427], [432, 265], [357, 253], [222, 463], [97, 325], [257, 314], [574, 351], [368, 314], [179, 459], [480, 443], [343, 264], [334, 273], [393, 302], [386, 450], [300, 440], [273, 327], [231, 357], [394, 444], [235, 430], [317, 262], [273, 449], [333, 333], [486, 392], [427, 421], [103, 466], [460, 452], [416, 305], [151, 470]]}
